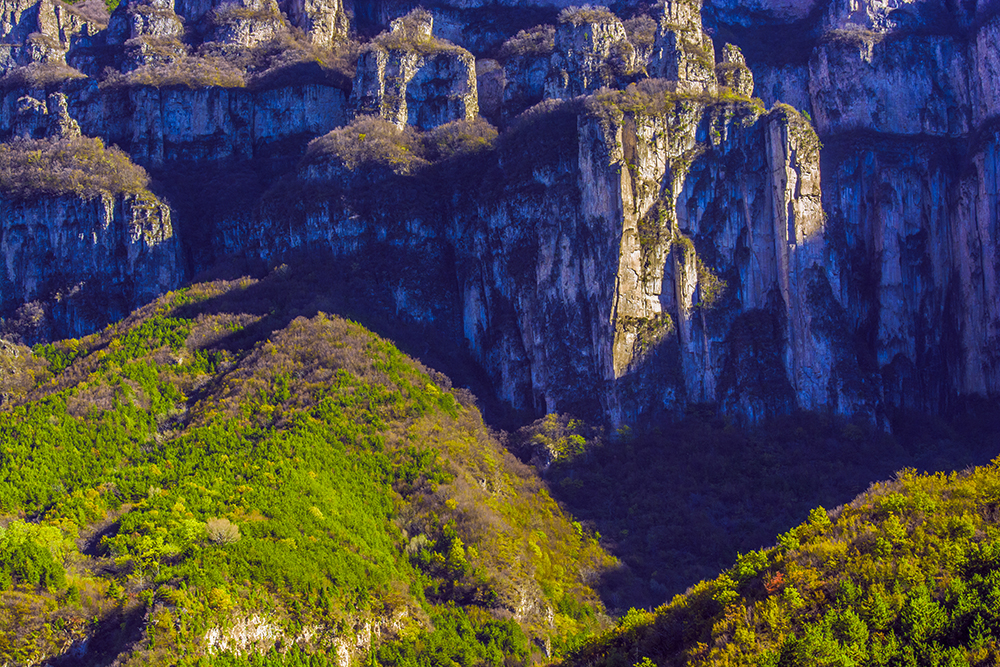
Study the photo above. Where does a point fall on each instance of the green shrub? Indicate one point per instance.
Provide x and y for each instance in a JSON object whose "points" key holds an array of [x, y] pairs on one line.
{"points": [[824, 596], [217, 462], [25, 562]]}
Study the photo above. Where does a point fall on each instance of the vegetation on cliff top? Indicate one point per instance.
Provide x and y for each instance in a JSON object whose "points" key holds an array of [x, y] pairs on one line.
{"points": [[412, 33], [538, 41], [577, 15], [371, 142], [287, 59], [217, 458], [79, 166]]}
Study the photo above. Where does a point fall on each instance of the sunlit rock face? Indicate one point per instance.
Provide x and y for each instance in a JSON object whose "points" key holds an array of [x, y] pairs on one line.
{"points": [[904, 98], [649, 236], [675, 256], [683, 52], [620, 258], [592, 51], [41, 31]]}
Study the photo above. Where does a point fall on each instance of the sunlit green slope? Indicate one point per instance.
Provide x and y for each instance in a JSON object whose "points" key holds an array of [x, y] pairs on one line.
{"points": [[906, 574], [221, 476]]}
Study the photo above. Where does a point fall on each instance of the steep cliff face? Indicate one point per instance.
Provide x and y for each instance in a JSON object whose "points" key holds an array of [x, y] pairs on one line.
{"points": [[407, 76], [907, 118], [160, 125], [646, 238], [89, 260], [592, 51], [625, 254], [665, 256], [910, 85], [33, 31]]}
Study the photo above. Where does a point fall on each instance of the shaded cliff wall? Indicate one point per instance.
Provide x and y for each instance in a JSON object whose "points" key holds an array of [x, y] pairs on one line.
{"points": [[93, 259], [160, 125], [906, 105]]}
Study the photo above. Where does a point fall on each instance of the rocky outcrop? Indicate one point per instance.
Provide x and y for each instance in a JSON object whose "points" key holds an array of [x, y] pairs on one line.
{"points": [[90, 260], [683, 52], [41, 31], [526, 60], [324, 21], [592, 51], [733, 73], [247, 23], [143, 18], [407, 76], [675, 256], [37, 120]]}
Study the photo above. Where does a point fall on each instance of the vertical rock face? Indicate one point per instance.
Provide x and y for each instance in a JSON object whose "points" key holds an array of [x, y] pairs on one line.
{"points": [[675, 255], [98, 258], [985, 73], [324, 21], [912, 85], [40, 31], [247, 23], [620, 251], [35, 120], [526, 60], [591, 51], [159, 125], [908, 118], [409, 77], [682, 51], [733, 72]]}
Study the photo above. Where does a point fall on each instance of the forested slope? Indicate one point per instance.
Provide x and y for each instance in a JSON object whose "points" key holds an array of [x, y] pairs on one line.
{"points": [[229, 471], [906, 574]]}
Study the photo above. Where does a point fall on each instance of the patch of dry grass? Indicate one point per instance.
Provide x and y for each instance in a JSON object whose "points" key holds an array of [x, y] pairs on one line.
{"points": [[82, 166]]}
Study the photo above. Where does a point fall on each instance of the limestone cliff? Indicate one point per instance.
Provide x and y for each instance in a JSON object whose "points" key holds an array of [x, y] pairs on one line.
{"points": [[640, 272], [591, 51], [644, 234], [84, 260], [905, 103], [408, 76]]}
